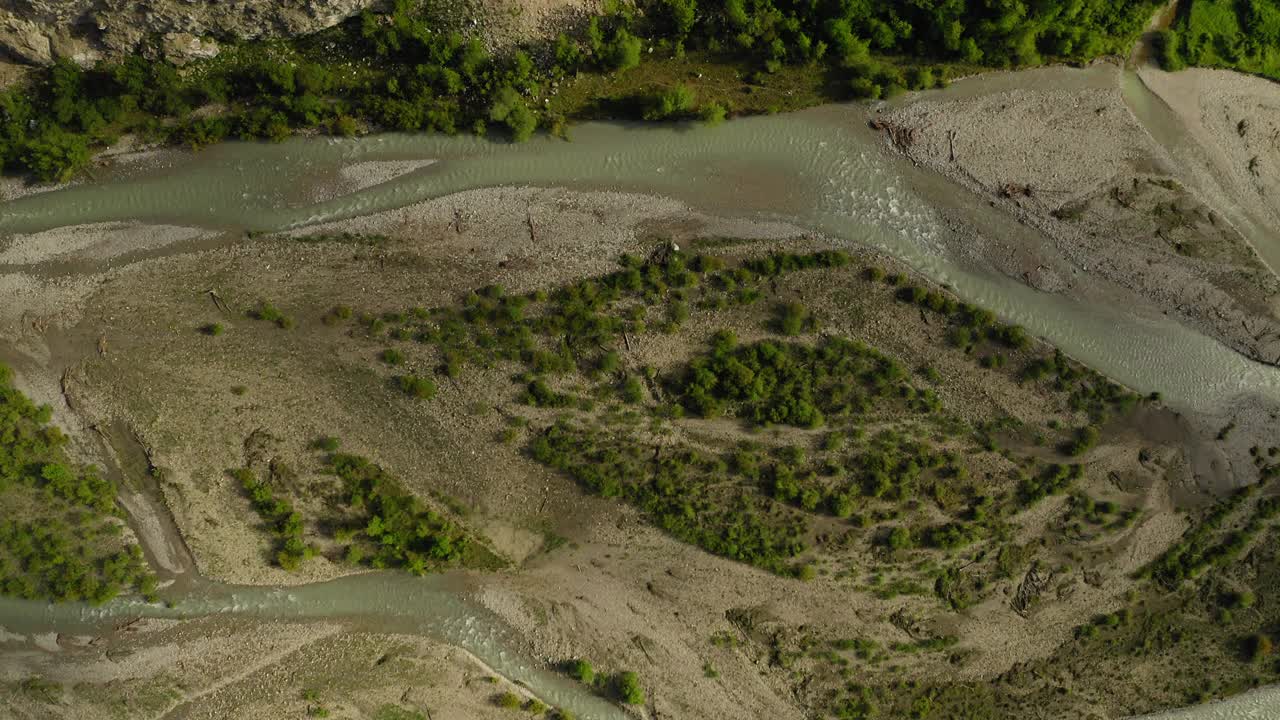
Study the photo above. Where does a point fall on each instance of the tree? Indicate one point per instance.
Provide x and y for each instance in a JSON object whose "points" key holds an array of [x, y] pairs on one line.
{"points": [[714, 113], [899, 538], [1260, 647], [681, 14], [671, 103], [793, 319], [1168, 50], [568, 55], [509, 108], [623, 53], [55, 155]]}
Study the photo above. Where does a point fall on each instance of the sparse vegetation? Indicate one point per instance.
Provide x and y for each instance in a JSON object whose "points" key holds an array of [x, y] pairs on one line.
{"points": [[267, 312], [280, 516], [815, 456]]}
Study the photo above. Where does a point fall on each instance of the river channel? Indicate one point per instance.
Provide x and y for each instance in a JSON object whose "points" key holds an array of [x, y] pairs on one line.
{"points": [[821, 169]]}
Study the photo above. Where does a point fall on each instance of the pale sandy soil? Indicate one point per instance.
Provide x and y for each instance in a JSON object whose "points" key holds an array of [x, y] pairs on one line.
{"points": [[95, 242], [509, 22], [1233, 122], [361, 175], [12, 188], [1073, 162]]}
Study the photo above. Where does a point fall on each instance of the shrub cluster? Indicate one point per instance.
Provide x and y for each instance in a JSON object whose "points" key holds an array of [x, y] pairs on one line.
{"points": [[398, 530], [791, 384], [1054, 479], [67, 546], [280, 516], [683, 491], [270, 313], [1089, 390], [1202, 547]]}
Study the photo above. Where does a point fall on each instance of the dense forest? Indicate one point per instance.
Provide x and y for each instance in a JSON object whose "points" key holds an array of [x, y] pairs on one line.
{"points": [[410, 70], [1237, 34]]}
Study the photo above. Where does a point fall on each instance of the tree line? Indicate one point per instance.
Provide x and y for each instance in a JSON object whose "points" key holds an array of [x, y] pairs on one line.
{"points": [[408, 70]]}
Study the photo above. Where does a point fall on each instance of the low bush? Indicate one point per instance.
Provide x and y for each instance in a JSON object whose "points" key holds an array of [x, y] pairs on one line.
{"points": [[628, 689], [418, 387]]}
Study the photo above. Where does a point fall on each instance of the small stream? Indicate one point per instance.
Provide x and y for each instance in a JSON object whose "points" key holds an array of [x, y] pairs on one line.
{"points": [[436, 607], [822, 169]]}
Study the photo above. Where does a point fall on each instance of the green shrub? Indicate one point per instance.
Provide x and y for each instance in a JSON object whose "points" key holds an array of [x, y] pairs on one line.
{"points": [[417, 387], [1086, 438], [627, 687], [270, 313], [1259, 647], [400, 530], [713, 113], [509, 108], [899, 539], [793, 318], [581, 671], [508, 700], [1168, 50], [632, 390], [674, 102], [212, 329], [280, 516]]}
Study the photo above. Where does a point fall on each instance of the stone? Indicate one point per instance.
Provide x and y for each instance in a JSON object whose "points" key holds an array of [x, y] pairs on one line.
{"points": [[182, 48], [81, 29], [24, 41]]}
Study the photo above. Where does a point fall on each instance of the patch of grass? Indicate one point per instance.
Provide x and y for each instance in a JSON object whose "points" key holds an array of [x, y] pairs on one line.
{"points": [[415, 386], [267, 312]]}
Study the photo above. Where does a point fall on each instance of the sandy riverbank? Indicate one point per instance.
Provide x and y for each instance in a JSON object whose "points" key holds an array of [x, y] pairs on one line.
{"points": [[1061, 152]]}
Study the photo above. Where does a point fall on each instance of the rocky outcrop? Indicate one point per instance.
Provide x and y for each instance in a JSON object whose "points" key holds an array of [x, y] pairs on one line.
{"points": [[25, 41], [39, 31]]}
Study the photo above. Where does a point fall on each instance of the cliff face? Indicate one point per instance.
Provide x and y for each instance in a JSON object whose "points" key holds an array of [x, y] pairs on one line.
{"points": [[38, 31]]}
